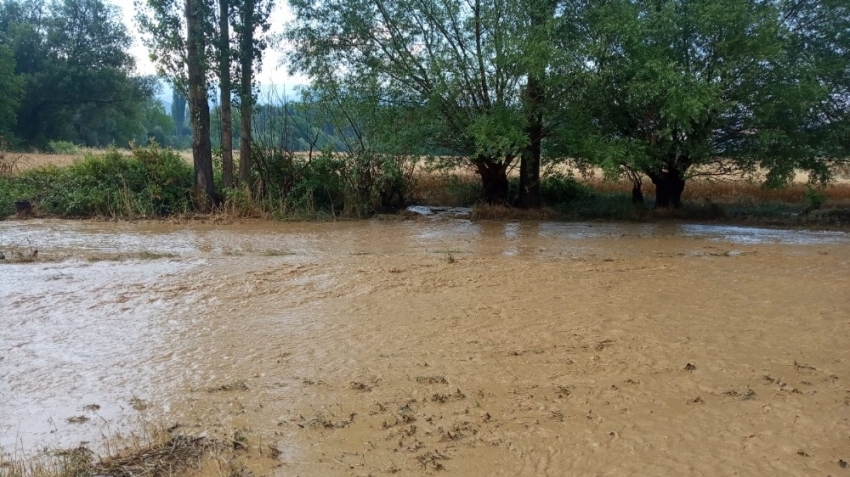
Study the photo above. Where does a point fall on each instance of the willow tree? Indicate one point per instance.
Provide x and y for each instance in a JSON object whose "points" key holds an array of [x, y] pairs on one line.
{"points": [[679, 88], [471, 65]]}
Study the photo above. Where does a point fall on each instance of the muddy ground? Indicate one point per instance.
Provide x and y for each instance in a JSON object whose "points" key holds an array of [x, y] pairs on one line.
{"points": [[438, 346]]}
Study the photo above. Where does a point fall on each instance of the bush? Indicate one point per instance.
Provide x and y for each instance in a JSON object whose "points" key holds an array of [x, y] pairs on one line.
{"points": [[62, 147], [558, 189], [151, 182], [354, 184]]}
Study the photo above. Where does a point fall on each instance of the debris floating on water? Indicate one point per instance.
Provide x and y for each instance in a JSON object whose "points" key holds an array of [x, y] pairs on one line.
{"points": [[447, 212]]}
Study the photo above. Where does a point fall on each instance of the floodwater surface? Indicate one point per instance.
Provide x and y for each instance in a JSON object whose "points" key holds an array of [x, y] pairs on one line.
{"points": [[470, 348]]}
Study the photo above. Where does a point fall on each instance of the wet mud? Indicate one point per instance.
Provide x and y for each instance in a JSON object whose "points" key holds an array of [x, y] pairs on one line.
{"points": [[438, 346]]}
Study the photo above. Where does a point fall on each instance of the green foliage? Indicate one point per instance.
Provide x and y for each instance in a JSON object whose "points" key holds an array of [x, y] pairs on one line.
{"points": [[559, 189], [453, 73], [10, 91], [674, 88], [78, 84], [151, 182], [62, 147], [815, 199], [328, 184], [158, 126]]}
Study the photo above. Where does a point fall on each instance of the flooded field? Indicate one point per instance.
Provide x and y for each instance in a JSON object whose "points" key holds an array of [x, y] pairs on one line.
{"points": [[412, 347]]}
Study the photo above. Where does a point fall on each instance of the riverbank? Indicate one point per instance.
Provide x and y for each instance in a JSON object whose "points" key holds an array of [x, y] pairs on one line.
{"points": [[148, 183]]}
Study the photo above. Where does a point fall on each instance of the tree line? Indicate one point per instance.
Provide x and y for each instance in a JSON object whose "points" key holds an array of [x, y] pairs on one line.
{"points": [[66, 74], [657, 90], [662, 89]]}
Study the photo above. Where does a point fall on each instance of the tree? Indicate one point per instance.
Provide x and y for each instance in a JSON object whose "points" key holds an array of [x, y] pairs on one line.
{"points": [[199, 106], [253, 16], [538, 94], [463, 66], [10, 91], [246, 93], [679, 88], [225, 58], [158, 125], [163, 22], [179, 38], [78, 79]]}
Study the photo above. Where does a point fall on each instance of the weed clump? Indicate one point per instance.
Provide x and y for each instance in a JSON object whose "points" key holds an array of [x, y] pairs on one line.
{"points": [[163, 456]]}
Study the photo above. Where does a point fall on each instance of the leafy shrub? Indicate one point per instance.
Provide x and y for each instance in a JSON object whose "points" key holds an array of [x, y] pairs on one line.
{"points": [[814, 199], [354, 184], [62, 147], [150, 182], [561, 188]]}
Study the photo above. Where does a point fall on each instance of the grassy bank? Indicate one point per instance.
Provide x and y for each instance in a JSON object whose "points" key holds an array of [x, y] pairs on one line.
{"points": [[154, 182]]}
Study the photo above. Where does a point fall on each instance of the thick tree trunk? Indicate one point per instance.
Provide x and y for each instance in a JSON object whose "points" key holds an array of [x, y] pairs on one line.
{"points": [[669, 186], [494, 179], [529, 169], [225, 86], [199, 108], [246, 59]]}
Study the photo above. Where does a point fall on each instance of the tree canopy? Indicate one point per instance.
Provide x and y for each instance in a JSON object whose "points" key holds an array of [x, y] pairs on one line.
{"points": [[459, 67], [10, 91], [676, 88], [77, 73], [666, 89]]}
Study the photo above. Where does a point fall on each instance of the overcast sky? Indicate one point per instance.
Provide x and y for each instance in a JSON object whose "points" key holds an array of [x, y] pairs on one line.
{"points": [[273, 72]]}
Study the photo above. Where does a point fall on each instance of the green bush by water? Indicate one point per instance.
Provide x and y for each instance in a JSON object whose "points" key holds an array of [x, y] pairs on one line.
{"points": [[151, 182], [559, 189], [355, 184]]}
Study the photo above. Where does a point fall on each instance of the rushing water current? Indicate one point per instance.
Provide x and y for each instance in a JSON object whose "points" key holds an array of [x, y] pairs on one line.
{"points": [[114, 319]]}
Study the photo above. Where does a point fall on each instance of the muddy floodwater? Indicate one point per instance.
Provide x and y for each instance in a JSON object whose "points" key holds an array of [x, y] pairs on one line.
{"points": [[437, 345]]}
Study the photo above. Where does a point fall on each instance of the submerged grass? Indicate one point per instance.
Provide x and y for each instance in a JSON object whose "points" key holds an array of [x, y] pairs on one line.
{"points": [[152, 450], [31, 255], [155, 454]]}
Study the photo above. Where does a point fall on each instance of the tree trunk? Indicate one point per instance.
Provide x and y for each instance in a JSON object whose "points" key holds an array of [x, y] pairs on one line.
{"points": [[494, 179], [529, 168], [199, 107], [225, 86], [637, 194], [535, 97], [246, 59], [669, 186]]}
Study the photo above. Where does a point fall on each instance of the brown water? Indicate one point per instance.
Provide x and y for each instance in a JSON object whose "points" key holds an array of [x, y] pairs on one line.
{"points": [[543, 349]]}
